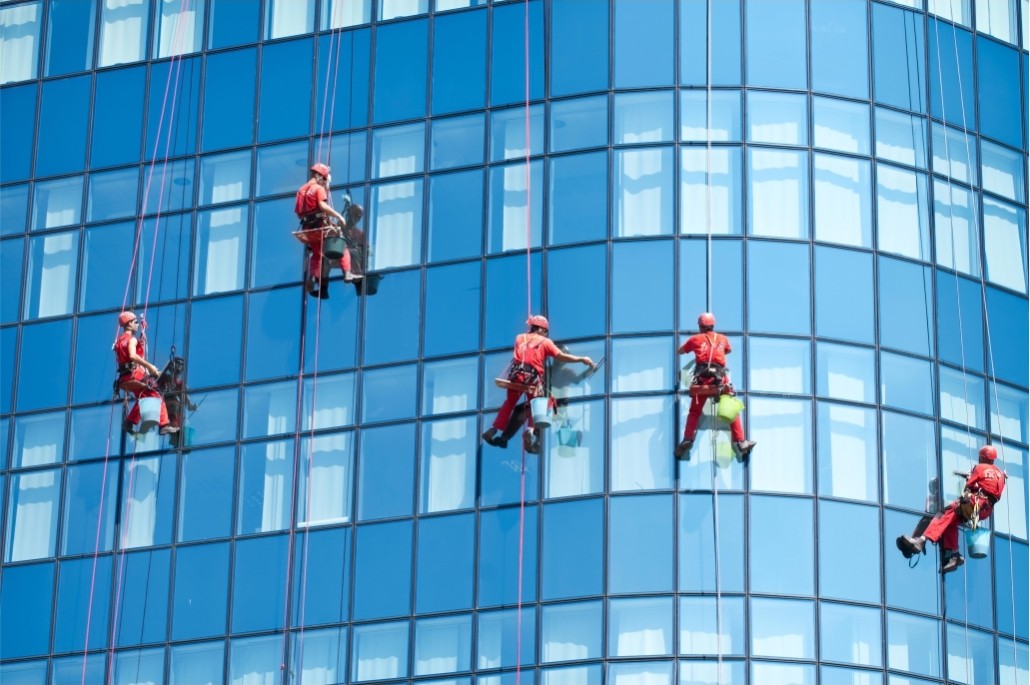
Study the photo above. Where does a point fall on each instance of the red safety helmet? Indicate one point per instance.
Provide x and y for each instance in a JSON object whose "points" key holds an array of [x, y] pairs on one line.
{"points": [[706, 320], [321, 169], [125, 318], [988, 452], [538, 321]]}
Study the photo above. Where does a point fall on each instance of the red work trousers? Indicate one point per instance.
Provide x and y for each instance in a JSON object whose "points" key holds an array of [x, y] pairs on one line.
{"points": [[134, 381], [697, 404], [504, 413], [944, 528], [315, 264]]}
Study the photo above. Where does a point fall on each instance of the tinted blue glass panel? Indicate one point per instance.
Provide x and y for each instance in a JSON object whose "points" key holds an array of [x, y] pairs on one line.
{"points": [[81, 589], [959, 333], [771, 570], [392, 319], [400, 62], [70, 36], [88, 521], [205, 494], [197, 663], [444, 572], [389, 393], [849, 565], [117, 120], [14, 205], [579, 198], [285, 68], [727, 296], [643, 43], [505, 305], [341, 329], [346, 58], [579, 123], [172, 120], [457, 141], [386, 472], [321, 571], [697, 569], [8, 342], [906, 306], [1007, 333], [26, 599], [1000, 108], [228, 99], [16, 131], [639, 544], [24, 672], [455, 215], [839, 51], [201, 591], [725, 46], [628, 289], [208, 362], [12, 252], [63, 121], [899, 64], [573, 549], [459, 62], [274, 259], [845, 313], [915, 588], [273, 319], [499, 556], [452, 309], [1011, 556], [778, 288], [776, 43], [579, 47], [45, 346], [906, 383], [233, 23], [112, 195], [258, 583], [946, 44], [574, 315], [508, 53], [382, 576]]}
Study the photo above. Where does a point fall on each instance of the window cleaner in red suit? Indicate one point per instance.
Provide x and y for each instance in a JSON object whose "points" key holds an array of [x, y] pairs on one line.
{"points": [[983, 489], [526, 371], [137, 376], [316, 215], [710, 350]]}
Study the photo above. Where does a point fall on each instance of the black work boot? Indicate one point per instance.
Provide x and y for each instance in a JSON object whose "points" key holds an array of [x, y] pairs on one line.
{"points": [[909, 545], [952, 562], [682, 451], [744, 448], [489, 437]]}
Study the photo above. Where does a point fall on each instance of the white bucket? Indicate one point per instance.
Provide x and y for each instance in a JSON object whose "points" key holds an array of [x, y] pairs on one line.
{"points": [[541, 417], [150, 413]]}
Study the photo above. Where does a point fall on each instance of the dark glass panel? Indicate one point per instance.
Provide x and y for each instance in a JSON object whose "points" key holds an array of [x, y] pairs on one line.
{"points": [[455, 215], [63, 124], [172, 118], [579, 198], [572, 563], [575, 313], [906, 306], [579, 47], [499, 556], [459, 62], [284, 109], [273, 319], [899, 62], [69, 36], [12, 255], [228, 99], [959, 333], [17, 125], [233, 22], [201, 591], [259, 581], [8, 342], [321, 572], [1000, 106], [445, 563], [83, 587], [643, 43], [346, 60], [452, 309], [392, 319], [508, 53], [1007, 335], [14, 206], [212, 359], [26, 599], [382, 574], [117, 117], [44, 346], [505, 302], [206, 494], [948, 43], [400, 71], [386, 469]]}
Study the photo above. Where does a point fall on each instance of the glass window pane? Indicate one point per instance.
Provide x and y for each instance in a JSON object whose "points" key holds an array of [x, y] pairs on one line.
{"points": [[643, 43], [19, 41], [906, 306], [322, 654], [509, 204], [778, 118], [728, 297], [641, 440], [51, 274], [451, 309], [88, 518], [383, 390], [697, 540], [396, 224], [323, 563], [962, 398], [725, 121], [123, 32], [398, 150], [901, 137], [288, 17], [571, 632], [578, 198], [710, 177], [575, 455], [641, 364], [229, 97], [579, 48], [69, 38], [840, 54], [913, 644], [899, 63], [628, 289], [148, 501], [777, 193], [330, 461], [779, 365], [345, 13], [459, 61], [850, 635], [776, 43], [508, 133], [582, 122], [970, 658], [178, 27], [843, 200], [782, 628], [784, 427], [449, 386], [573, 549], [333, 403], [201, 591], [401, 52], [57, 203], [445, 564], [269, 409], [999, 108], [14, 201], [778, 287], [1004, 229], [254, 659], [205, 494], [998, 18], [906, 383], [265, 480], [38, 439], [499, 638], [1009, 412], [710, 625], [841, 125], [849, 565], [277, 167], [259, 582], [643, 117], [844, 312], [382, 577], [285, 67], [498, 566], [457, 141], [43, 346], [32, 511], [139, 666], [392, 320], [640, 626], [220, 257], [724, 46], [639, 544], [642, 189], [380, 651], [908, 455], [448, 466], [957, 11], [224, 178], [197, 664], [1002, 171], [170, 132], [455, 216], [954, 154], [950, 49], [847, 452], [273, 350], [443, 645], [386, 472]]}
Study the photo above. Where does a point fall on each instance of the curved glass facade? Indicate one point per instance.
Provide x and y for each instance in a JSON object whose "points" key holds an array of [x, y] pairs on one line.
{"points": [[843, 182]]}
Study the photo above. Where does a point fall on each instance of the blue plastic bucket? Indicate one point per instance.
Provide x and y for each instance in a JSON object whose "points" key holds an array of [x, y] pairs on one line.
{"points": [[978, 542], [541, 417], [150, 413]]}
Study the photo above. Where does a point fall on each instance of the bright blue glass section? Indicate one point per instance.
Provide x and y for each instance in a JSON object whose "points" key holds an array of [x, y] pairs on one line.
{"points": [[201, 591], [259, 581], [392, 319], [771, 570], [778, 288], [233, 23], [843, 313], [24, 672], [499, 556], [382, 576], [386, 472], [455, 215], [69, 36], [697, 536], [508, 57], [82, 591], [207, 354], [459, 62], [345, 57], [906, 383], [576, 316], [25, 604], [284, 69], [505, 305], [12, 254], [578, 198], [959, 333], [273, 318], [452, 309], [389, 393], [445, 563], [946, 43], [229, 85], [117, 120], [850, 634], [1000, 107], [458, 141], [14, 206], [643, 43], [322, 572], [906, 306], [849, 565], [725, 44], [172, 121], [840, 54], [206, 494], [579, 123], [16, 131], [572, 550], [639, 544], [63, 124], [401, 52], [1010, 556], [88, 522], [1007, 331], [92, 380], [579, 47], [44, 346], [630, 260], [776, 43], [899, 63]]}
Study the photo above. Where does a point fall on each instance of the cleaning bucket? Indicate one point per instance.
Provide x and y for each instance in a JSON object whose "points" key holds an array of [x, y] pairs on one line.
{"points": [[729, 407], [189, 435], [333, 246], [541, 418], [150, 413], [978, 542]]}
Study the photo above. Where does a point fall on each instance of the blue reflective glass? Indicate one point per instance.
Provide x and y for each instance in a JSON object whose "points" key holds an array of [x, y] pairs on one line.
{"points": [[782, 628], [967, 652], [14, 207], [844, 313], [850, 634], [273, 258], [899, 62], [69, 36], [455, 215], [382, 576], [628, 289], [727, 294], [843, 200], [452, 309], [272, 321], [206, 494], [79, 583], [642, 192], [458, 141], [499, 556], [951, 84], [16, 131], [639, 544], [777, 118], [259, 581], [1007, 330], [643, 43], [776, 43], [112, 195], [711, 624], [38, 439], [278, 168], [575, 316], [207, 362], [255, 658], [578, 198], [88, 518], [508, 56], [901, 137], [201, 591], [228, 99], [841, 125], [724, 28], [24, 672], [697, 537], [63, 124], [840, 56], [908, 454], [233, 23], [8, 342], [392, 319], [283, 69], [913, 645], [779, 365], [643, 117], [640, 441], [459, 62], [265, 474], [51, 274], [510, 203], [725, 119], [444, 567], [386, 472], [715, 179], [959, 321], [640, 626], [505, 313], [389, 393], [579, 123], [771, 570], [778, 288], [1012, 603], [44, 346], [26, 600], [401, 52], [321, 572], [572, 549], [197, 663], [447, 469], [172, 122], [849, 565], [580, 64], [348, 70], [906, 306], [906, 383], [380, 650], [847, 451], [999, 105], [442, 645], [778, 193], [12, 254], [117, 117]]}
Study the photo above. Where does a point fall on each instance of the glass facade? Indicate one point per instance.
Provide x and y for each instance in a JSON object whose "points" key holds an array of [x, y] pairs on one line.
{"points": [[843, 182]]}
